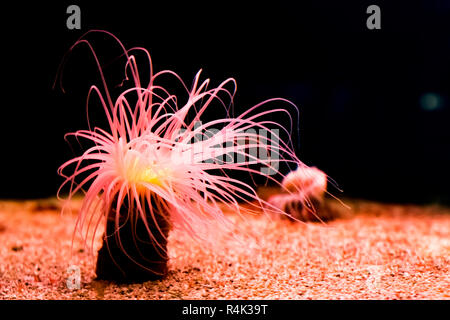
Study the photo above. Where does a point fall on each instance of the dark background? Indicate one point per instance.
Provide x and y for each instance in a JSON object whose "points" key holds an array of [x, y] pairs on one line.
{"points": [[374, 104]]}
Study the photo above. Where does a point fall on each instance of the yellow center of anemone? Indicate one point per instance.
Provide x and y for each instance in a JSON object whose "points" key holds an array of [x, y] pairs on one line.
{"points": [[151, 174]]}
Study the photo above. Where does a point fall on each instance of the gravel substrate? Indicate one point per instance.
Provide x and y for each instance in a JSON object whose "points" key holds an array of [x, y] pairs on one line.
{"points": [[379, 252]]}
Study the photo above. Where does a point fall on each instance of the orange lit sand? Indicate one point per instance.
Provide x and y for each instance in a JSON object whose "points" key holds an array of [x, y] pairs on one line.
{"points": [[382, 252]]}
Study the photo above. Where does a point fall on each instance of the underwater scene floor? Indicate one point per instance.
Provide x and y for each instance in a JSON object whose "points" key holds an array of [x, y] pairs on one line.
{"points": [[379, 251]]}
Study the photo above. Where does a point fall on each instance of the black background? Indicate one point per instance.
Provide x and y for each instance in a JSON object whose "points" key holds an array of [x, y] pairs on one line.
{"points": [[358, 90]]}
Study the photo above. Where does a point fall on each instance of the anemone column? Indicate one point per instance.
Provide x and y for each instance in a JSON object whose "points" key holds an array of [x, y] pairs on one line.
{"points": [[130, 252]]}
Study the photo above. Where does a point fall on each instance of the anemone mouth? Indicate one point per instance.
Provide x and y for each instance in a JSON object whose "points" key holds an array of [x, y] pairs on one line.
{"points": [[144, 174], [153, 175], [140, 168]]}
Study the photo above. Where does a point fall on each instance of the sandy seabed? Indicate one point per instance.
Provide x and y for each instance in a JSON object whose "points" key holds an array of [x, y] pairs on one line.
{"points": [[376, 252]]}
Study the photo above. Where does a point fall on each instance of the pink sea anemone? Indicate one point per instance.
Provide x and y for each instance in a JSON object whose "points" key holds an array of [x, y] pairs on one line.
{"points": [[304, 197], [307, 188], [157, 163]]}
